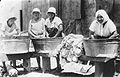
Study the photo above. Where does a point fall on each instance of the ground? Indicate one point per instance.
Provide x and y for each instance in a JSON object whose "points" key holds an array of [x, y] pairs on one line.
{"points": [[53, 72]]}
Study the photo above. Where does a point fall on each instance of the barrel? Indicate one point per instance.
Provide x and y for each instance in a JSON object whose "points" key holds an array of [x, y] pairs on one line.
{"points": [[95, 47]]}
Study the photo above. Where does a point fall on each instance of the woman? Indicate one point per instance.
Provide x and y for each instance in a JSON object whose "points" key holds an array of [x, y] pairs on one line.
{"points": [[36, 24], [10, 29], [102, 26], [54, 27], [53, 24], [37, 28]]}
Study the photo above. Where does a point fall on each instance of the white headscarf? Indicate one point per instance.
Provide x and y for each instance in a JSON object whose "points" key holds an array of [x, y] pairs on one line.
{"points": [[103, 14]]}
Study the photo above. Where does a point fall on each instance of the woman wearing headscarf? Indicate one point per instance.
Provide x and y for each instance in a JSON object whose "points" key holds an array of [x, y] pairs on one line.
{"points": [[102, 26]]}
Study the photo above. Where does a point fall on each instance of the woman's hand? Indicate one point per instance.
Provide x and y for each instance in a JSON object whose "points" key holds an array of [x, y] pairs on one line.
{"points": [[14, 32], [91, 37], [38, 36]]}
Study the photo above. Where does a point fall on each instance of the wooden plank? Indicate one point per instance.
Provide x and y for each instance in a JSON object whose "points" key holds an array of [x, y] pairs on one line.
{"points": [[95, 59], [26, 9], [54, 3], [19, 56], [71, 9], [27, 65], [46, 64]]}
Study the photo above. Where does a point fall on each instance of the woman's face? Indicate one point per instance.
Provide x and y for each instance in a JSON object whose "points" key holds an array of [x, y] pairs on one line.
{"points": [[51, 15], [100, 19], [36, 15]]}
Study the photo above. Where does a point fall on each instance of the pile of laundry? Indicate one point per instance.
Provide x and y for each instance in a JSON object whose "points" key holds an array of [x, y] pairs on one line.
{"points": [[70, 49]]}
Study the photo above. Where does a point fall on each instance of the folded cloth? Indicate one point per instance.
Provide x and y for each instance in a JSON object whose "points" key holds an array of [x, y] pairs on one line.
{"points": [[78, 68]]}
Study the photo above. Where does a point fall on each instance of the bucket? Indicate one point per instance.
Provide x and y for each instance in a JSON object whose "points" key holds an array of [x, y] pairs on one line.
{"points": [[95, 47], [14, 45], [46, 44]]}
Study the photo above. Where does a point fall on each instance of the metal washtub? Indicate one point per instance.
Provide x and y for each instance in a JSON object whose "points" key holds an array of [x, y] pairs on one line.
{"points": [[94, 47], [14, 45], [46, 44]]}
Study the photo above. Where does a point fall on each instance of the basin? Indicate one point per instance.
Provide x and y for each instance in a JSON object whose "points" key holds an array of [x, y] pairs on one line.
{"points": [[95, 47], [46, 44], [14, 45]]}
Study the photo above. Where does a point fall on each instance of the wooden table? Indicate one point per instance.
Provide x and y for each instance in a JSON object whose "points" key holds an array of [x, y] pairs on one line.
{"points": [[18, 56], [104, 67], [26, 59], [45, 60]]}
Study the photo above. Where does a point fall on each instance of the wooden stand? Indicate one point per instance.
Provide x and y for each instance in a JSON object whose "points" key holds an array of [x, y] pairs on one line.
{"points": [[46, 64], [27, 64], [45, 60], [24, 56], [104, 67]]}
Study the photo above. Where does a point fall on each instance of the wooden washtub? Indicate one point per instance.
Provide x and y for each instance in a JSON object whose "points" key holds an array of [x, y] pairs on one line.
{"points": [[46, 44], [95, 47], [16, 45]]}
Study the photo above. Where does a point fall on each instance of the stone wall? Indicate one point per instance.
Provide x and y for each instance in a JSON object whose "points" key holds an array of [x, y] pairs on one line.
{"points": [[115, 14], [81, 26], [87, 15]]}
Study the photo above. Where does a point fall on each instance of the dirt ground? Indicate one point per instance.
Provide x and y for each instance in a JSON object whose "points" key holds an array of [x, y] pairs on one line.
{"points": [[58, 74], [53, 72]]}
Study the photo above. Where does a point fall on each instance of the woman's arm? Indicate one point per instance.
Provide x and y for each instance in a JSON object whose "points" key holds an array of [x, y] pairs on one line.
{"points": [[113, 30], [17, 29], [60, 28], [14, 32], [29, 30], [43, 28], [114, 34], [91, 34]]}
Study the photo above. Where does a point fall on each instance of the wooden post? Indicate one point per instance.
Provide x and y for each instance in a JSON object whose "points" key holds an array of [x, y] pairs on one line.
{"points": [[27, 65], [103, 69], [46, 63]]}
